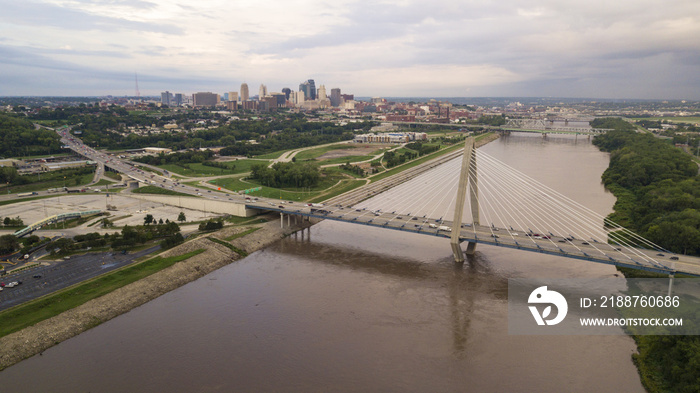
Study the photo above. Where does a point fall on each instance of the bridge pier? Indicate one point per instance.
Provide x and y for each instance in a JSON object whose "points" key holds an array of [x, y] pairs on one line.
{"points": [[467, 177]]}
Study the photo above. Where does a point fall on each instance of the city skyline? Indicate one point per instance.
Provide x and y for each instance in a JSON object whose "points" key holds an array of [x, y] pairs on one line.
{"points": [[396, 48]]}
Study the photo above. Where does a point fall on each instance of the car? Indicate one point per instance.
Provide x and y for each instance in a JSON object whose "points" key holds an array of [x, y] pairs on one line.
{"points": [[659, 255], [414, 218], [494, 236], [281, 207], [586, 243], [208, 190], [674, 258], [37, 276], [399, 218], [562, 241]]}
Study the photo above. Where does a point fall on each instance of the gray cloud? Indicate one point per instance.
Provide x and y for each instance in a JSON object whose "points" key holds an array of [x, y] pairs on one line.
{"points": [[591, 48], [49, 15]]}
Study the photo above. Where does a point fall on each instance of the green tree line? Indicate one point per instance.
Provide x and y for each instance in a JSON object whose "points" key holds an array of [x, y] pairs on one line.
{"points": [[657, 190]]}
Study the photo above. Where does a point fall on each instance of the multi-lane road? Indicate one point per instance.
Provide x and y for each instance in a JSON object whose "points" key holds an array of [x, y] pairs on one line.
{"points": [[338, 209]]}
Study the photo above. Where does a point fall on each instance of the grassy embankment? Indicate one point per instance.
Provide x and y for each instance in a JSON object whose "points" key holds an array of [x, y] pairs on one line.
{"points": [[159, 191], [19, 317]]}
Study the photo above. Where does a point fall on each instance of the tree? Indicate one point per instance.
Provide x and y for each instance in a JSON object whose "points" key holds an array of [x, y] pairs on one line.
{"points": [[181, 217], [160, 221], [148, 219], [8, 244]]}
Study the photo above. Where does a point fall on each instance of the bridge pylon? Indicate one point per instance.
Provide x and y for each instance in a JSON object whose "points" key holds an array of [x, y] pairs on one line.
{"points": [[467, 178]]}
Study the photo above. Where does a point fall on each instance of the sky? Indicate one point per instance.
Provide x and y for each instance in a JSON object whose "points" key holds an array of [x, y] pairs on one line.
{"points": [[646, 49]]}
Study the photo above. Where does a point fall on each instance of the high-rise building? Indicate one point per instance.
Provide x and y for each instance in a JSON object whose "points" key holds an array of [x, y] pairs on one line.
{"points": [[347, 97], [287, 91], [335, 97], [296, 97], [166, 97], [233, 96], [309, 89], [322, 92], [244, 92], [280, 99], [262, 92], [205, 99], [179, 99]]}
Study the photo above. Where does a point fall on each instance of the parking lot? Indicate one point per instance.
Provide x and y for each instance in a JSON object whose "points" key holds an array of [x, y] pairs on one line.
{"points": [[128, 211], [51, 277]]}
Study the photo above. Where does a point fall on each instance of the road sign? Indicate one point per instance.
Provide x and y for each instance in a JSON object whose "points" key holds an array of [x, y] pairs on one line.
{"points": [[248, 191]]}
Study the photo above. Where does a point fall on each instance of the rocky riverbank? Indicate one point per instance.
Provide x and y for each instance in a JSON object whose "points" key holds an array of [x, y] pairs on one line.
{"points": [[37, 338]]}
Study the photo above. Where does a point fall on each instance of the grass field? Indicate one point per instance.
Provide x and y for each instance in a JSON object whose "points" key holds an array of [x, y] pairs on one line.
{"points": [[271, 156], [19, 317], [311, 154], [113, 175], [103, 182], [44, 185], [158, 190], [236, 184], [199, 170]]}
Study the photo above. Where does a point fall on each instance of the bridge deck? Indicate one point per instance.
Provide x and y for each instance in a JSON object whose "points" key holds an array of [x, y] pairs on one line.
{"points": [[500, 237]]}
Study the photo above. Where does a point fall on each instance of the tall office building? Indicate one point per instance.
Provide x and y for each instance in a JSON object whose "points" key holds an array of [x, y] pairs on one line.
{"points": [[205, 99], [244, 92], [166, 97], [287, 91], [335, 97], [280, 99], [322, 92], [179, 99], [309, 89], [233, 96], [262, 92]]}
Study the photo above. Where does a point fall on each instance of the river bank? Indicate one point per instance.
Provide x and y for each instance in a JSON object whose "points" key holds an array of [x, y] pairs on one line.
{"points": [[35, 339]]}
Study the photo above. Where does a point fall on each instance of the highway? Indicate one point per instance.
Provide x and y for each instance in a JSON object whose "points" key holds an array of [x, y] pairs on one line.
{"points": [[588, 249]]}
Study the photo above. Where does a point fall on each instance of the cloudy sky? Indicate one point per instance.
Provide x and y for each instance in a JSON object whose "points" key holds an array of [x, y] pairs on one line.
{"points": [[560, 48]]}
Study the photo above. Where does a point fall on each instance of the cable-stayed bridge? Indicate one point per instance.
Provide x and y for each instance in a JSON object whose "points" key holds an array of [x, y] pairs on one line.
{"points": [[493, 203], [504, 208]]}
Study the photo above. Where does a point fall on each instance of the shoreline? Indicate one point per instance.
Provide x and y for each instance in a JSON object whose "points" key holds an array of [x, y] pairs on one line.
{"points": [[37, 338]]}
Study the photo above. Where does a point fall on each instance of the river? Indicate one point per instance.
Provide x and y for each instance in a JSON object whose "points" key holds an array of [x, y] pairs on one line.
{"points": [[352, 308]]}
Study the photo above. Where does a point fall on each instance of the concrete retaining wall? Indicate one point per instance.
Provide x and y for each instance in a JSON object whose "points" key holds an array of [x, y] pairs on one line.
{"points": [[207, 205]]}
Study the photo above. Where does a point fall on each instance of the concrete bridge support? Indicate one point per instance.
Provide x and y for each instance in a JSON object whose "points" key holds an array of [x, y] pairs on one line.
{"points": [[468, 178]]}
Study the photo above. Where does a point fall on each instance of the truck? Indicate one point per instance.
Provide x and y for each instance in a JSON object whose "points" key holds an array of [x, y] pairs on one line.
{"points": [[316, 204], [24, 194], [444, 228]]}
